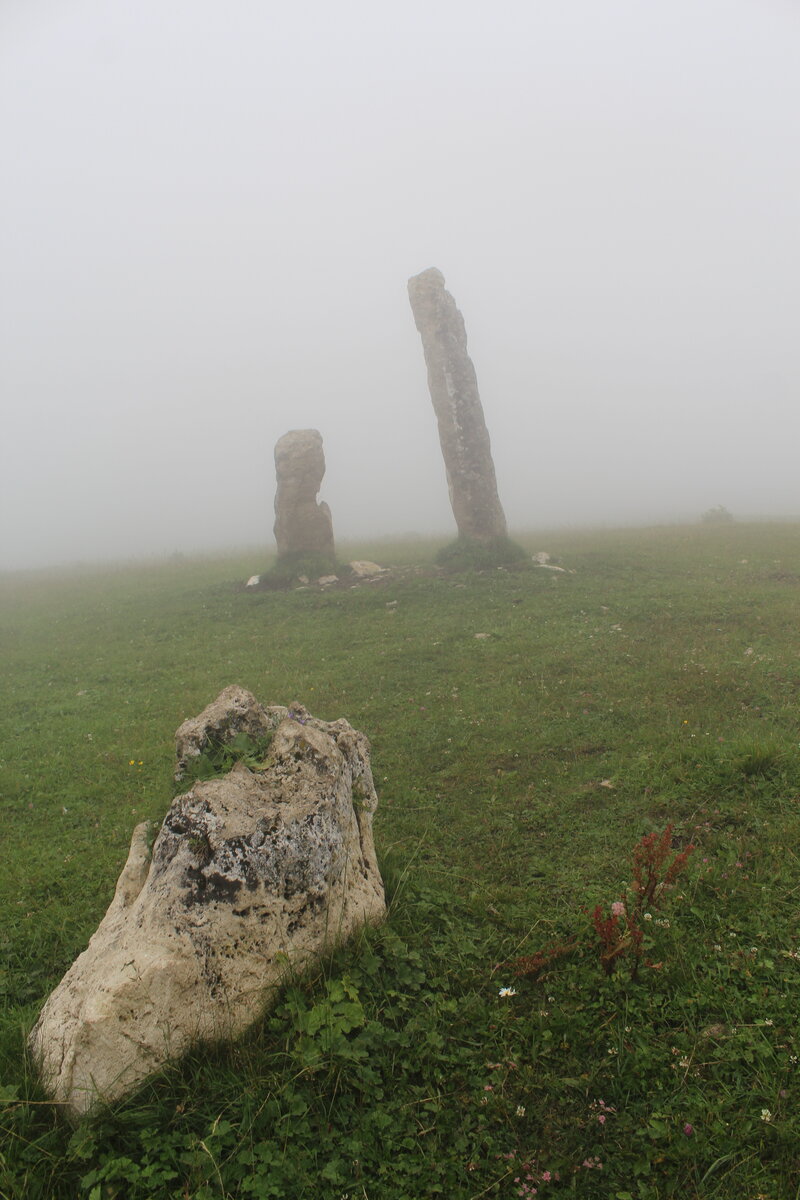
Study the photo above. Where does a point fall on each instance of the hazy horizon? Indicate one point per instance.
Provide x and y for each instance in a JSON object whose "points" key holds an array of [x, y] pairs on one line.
{"points": [[210, 214]]}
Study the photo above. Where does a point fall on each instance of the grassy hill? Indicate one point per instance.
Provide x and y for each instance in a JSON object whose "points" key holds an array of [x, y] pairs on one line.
{"points": [[529, 728]]}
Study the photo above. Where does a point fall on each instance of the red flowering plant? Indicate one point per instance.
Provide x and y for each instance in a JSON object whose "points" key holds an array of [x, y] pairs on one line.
{"points": [[650, 880], [620, 932], [532, 964]]}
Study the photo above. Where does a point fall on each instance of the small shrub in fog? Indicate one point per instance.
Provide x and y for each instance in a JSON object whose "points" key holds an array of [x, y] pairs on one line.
{"points": [[719, 515]]}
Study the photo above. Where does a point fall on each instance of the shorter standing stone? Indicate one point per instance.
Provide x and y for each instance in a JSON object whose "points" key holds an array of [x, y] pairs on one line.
{"points": [[303, 528]]}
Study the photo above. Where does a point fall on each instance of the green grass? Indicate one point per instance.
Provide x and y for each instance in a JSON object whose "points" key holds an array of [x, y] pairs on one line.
{"points": [[656, 680]]}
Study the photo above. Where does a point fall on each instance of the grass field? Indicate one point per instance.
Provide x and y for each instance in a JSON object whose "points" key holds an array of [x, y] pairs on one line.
{"points": [[653, 682]]}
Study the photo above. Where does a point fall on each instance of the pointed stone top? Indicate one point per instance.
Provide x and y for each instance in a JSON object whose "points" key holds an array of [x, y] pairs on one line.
{"points": [[431, 275]]}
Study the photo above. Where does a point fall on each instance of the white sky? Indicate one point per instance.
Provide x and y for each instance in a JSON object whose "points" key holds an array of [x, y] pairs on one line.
{"points": [[209, 211]]}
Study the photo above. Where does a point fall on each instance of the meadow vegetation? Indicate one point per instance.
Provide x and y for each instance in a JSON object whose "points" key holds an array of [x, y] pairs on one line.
{"points": [[529, 729]]}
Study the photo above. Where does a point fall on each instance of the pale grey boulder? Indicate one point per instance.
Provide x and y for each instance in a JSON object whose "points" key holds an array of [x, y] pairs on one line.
{"points": [[364, 569], [251, 877]]}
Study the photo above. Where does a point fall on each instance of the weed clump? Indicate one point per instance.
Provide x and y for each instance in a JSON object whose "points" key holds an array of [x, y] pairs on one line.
{"points": [[218, 757], [621, 932], [468, 554], [759, 761], [291, 569]]}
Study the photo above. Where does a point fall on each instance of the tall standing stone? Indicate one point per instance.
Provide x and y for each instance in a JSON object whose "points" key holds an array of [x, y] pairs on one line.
{"points": [[302, 528], [454, 391]]}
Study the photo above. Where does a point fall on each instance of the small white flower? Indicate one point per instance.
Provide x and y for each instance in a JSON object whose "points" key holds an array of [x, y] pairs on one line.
{"points": [[769, 1022], [507, 992], [766, 1115], [648, 916], [717, 947], [520, 1110]]}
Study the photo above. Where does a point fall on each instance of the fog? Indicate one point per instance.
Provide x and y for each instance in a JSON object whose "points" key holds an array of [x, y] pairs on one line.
{"points": [[210, 210]]}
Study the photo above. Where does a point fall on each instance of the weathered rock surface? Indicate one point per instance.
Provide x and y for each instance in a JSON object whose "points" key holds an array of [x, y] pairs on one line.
{"points": [[302, 528], [453, 386], [251, 875]]}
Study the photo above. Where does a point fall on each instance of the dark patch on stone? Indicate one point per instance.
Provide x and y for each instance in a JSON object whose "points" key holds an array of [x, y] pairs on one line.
{"points": [[208, 886], [176, 823]]}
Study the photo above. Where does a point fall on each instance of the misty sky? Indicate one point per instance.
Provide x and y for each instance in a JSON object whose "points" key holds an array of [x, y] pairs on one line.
{"points": [[210, 209]]}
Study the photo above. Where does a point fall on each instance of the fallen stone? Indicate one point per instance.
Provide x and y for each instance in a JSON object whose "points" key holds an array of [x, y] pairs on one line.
{"points": [[253, 581], [542, 559], [252, 876], [363, 569], [327, 580]]}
